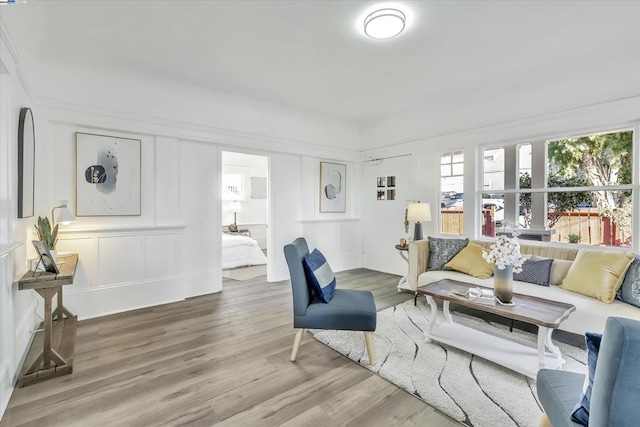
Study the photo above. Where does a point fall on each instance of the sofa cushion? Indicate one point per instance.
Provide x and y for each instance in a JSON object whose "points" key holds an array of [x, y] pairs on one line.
{"points": [[580, 413], [441, 251], [598, 274], [470, 261], [630, 289], [537, 272], [559, 269], [320, 275]]}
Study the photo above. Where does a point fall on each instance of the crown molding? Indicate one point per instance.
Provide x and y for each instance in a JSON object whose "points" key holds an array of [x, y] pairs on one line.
{"points": [[15, 55], [159, 126]]}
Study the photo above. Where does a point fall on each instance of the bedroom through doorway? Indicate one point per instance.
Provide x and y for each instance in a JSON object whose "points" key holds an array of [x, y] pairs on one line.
{"points": [[244, 216]]}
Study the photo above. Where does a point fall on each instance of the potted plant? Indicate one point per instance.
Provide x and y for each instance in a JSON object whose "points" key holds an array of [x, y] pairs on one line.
{"points": [[574, 238], [46, 234]]}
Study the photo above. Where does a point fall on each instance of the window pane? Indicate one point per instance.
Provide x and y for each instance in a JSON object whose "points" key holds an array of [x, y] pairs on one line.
{"points": [[594, 160], [524, 158], [578, 217], [493, 169], [492, 213], [451, 188], [457, 168]]}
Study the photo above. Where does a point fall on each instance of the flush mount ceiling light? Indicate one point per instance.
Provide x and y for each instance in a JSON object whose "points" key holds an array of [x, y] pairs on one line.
{"points": [[384, 23]]}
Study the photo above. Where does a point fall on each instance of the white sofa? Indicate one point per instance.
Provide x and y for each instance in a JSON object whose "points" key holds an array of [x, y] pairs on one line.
{"points": [[590, 314]]}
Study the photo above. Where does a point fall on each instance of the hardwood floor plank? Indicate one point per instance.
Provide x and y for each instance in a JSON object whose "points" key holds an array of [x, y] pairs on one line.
{"points": [[219, 359]]}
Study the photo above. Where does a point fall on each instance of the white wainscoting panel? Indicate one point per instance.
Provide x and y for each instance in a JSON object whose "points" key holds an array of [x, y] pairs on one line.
{"points": [[161, 259], [120, 260], [339, 240], [123, 269]]}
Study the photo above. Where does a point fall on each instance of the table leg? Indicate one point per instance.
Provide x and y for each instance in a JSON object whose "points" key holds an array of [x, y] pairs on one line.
{"points": [[47, 295], [57, 314], [544, 343], [432, 317], [446, 312]]}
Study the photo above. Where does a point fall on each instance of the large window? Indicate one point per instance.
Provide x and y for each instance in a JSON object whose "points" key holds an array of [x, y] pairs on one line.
{"points": [[452, 196], [578, 189]]}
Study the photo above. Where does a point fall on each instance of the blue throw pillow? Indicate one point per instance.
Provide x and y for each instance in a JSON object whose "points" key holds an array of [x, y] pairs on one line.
{"points": [[581, 411], [320, 275], [630, 290], [535, 271]]}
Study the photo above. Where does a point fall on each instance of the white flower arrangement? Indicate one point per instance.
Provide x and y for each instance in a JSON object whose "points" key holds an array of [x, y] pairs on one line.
{"points": [[505, 251]]}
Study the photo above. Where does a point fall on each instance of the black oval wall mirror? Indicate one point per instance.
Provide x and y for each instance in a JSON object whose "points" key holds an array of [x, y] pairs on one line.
{"points": [[26, 163]]}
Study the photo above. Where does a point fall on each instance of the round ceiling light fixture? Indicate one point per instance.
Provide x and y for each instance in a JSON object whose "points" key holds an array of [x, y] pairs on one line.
{"points": [[384, 23]]}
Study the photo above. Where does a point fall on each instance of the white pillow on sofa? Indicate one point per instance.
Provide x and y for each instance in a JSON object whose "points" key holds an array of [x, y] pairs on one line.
{"points": [[559, 269]]}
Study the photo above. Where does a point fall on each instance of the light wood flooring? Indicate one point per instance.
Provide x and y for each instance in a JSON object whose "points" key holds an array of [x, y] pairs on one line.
{"points": [[219, 359]]}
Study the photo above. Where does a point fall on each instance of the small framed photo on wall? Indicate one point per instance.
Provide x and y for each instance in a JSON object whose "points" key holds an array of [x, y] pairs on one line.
{"points": [[107, 175], [333, 187]]}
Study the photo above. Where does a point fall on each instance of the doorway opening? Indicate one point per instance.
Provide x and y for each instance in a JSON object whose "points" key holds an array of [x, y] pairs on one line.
{"points": [[245, 209]]}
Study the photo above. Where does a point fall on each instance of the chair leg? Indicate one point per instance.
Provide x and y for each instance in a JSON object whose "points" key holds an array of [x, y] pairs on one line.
{"points": [[368, 339], [296, 344], [544, 421]]}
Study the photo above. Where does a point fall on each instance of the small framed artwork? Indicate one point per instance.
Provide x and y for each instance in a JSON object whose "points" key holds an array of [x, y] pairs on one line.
{"points": [[26, 163], [333, 188], [108, 180]]}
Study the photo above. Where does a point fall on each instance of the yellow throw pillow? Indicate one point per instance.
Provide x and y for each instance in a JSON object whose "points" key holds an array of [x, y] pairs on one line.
{"points": [[469, 261], [598, 274]]}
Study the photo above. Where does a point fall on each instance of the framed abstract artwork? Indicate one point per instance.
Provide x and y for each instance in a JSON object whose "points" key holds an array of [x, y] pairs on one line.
{"points": [[26, 163], [333, 188], [108, 180]]}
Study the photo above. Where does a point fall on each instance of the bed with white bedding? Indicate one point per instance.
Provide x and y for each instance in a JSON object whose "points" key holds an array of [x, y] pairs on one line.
{"points": [[240, 251]]}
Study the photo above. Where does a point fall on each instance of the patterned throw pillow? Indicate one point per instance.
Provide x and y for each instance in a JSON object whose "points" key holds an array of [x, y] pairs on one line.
{"points": [[537, 272], [581, 411], [630, 289], [441, 251], [320, 275]]}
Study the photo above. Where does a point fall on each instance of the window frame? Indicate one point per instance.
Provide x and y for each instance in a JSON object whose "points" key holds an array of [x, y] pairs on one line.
{"points": [[634, 187]]}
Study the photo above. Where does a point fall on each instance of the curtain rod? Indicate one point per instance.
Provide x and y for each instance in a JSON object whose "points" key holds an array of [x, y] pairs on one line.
{"points": [[384, 158]]}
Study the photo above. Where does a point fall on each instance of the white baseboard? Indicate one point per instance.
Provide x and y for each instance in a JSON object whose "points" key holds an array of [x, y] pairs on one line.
{"points": [[91, 303], [202, 283]]}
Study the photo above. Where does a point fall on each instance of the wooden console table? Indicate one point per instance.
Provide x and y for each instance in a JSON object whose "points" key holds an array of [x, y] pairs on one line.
{"points": [[53, 347]]}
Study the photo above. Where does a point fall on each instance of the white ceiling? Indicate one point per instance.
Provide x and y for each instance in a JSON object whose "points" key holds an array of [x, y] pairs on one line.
{"points": [[312, 56]]}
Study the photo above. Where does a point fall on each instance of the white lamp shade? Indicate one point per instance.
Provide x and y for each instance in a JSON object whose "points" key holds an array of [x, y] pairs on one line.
{"points": [[235, 207], [419, 212], [65, 216]]}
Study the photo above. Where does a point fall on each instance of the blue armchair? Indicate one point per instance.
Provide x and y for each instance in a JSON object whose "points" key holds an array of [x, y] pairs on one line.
{"points": [[616, 385], [350, 310]]}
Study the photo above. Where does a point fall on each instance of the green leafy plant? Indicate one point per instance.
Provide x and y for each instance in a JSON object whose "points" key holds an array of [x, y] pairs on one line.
{"points": [[573, 238], [45, 233]]}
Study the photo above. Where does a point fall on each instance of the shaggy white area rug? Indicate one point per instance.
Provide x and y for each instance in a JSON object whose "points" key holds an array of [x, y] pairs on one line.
{"points": [[465, 387]]}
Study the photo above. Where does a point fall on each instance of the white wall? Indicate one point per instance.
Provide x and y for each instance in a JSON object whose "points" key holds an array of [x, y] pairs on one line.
{"points": [[17, 317]]}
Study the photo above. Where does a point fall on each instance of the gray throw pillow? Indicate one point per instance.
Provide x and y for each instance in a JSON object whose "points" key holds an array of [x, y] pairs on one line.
{"points": [[630, 290], [536, 272], [441, 251]]}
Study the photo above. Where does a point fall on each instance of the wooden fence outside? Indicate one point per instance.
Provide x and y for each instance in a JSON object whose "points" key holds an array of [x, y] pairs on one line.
{"points": [[591, 228]]}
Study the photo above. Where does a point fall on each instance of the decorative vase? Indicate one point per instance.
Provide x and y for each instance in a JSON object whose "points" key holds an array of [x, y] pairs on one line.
{"points": [[503, 283]]}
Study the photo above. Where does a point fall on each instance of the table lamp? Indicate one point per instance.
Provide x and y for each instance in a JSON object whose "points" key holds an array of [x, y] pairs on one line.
{"points": [[234, 207], [64, 216], [418, 212]]}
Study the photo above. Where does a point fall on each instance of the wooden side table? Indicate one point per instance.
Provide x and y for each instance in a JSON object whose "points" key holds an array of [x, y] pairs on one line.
{"points": [[53, 347]]}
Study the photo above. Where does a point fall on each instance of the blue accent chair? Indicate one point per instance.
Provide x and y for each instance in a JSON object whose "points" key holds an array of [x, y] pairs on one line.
{"points": [[350, 310], [616, 385]]}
